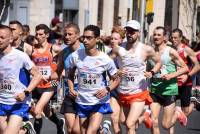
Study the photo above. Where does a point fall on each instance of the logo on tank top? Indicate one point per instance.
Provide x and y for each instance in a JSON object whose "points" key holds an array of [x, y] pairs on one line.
{"points": [[41, 59]]}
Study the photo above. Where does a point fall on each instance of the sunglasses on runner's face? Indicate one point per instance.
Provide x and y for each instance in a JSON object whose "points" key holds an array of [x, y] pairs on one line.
{"points": [[82, 38]]}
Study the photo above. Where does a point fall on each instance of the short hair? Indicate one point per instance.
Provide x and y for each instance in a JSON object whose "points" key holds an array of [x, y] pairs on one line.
{"points": [[26, 28], [179, 31], [17, 23], [5, 27], [120, 30], [73, 25], [164, 30], [29, 39], [94, 29], [42, 27]]}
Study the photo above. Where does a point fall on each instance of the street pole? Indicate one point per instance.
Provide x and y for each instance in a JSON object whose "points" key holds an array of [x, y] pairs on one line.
{"points": [[142, 15]]}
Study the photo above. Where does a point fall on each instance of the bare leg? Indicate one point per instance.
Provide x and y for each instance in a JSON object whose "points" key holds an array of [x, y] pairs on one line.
{"points": [[115, 116], [14, 125], [168, 115], [72, 123], [3, 123], [95, 120], [84, 125], [132, 116], [39, 108], [155, 109]]}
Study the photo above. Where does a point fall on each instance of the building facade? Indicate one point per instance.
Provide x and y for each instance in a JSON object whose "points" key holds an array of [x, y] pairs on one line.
{"points": [[183, 14]]}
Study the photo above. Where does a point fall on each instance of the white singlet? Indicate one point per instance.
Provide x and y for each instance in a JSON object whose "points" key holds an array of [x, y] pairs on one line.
{"points": [[10, 85], [134, 81]]}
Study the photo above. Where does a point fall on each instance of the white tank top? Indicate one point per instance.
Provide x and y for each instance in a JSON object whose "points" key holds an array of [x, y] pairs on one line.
{"points": [[134, 81]]}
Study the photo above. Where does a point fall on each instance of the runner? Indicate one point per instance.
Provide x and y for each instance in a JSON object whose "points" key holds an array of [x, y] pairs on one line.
{"points": [[92, 96], [19, 44], [71, 39], [132, 56], [43, 58], [164, 84], [117, 36], [190, 59], [17, 30], [14, 95]]}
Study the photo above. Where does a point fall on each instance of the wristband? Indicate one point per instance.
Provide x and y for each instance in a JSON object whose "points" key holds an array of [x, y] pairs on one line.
{"points": [[108, 89], [152, 72], [27, 93]]}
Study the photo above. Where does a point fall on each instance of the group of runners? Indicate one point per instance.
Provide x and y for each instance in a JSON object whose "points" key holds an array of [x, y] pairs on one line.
{"points": [[129, 80]]}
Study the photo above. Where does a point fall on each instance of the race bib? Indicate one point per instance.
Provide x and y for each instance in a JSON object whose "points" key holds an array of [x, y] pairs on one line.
{"points": [[90, 80], [129, 79], [45, 70], [164, 70], [6, 85]]}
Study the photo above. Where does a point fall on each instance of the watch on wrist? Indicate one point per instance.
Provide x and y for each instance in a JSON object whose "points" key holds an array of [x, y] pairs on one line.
{"points": [[152, 72], [27, 93], [108, 89]]}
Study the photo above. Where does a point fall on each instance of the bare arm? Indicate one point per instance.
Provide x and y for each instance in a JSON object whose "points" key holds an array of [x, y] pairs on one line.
{"points": [[179, 62], [28, 49], [36, 78], [191, 54], [60, 67], [70, 82], [114, 53], [151, 54], [114, 80]]}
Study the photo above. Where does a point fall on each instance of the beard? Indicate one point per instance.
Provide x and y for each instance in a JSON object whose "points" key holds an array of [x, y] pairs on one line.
{"points": [[131, 40], [3, 48]]}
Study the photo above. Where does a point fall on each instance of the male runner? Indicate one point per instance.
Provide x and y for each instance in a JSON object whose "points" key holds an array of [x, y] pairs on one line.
{"points": [[92, 96], [132, 56], [43, 58], [164, 86], [14, 95]]}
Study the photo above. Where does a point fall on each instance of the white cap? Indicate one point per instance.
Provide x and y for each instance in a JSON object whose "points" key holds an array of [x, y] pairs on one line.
{"points": [[133, 24]]}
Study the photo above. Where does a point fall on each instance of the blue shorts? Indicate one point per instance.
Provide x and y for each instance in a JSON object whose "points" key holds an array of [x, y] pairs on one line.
{"points": [[20, 109], [85, 110]]}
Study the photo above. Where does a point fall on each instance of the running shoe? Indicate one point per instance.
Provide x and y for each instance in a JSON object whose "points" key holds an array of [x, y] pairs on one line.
{"points": [[61, 126], [181, 116], [106, 127], [147, 118], [29, 127]]}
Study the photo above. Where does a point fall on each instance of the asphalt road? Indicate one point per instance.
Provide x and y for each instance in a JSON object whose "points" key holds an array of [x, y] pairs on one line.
{"points": [[193, 126]]}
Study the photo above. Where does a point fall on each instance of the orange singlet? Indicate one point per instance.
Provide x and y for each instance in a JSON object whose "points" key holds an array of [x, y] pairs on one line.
{"points": [[45, 64]]}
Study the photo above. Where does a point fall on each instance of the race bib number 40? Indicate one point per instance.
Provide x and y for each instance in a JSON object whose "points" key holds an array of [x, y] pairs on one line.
{"points": [[90, 80]]}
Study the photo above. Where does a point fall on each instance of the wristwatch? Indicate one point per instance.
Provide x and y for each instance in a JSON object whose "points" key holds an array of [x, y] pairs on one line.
{"points": [[27, 93], [108, 88], [152, 72]]}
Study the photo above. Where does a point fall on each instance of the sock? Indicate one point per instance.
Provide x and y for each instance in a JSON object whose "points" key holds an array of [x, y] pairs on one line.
{"points": [[38, 125], [54, 118]]}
